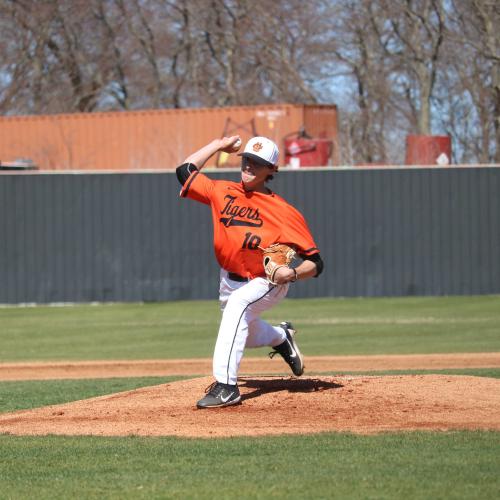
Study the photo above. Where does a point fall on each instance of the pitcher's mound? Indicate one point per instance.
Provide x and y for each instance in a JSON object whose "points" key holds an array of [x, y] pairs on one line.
{"points": [[277, 405]]}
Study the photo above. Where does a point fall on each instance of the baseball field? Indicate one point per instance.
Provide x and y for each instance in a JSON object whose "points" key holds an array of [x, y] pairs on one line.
{"points": [[400, 398]]}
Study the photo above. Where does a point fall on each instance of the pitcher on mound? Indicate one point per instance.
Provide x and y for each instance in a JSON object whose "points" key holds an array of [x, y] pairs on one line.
{"points": [[247, 218]]}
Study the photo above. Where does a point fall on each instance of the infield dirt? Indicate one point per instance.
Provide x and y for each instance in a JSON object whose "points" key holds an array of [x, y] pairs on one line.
{"points": [[201, 366], [278, 405]]}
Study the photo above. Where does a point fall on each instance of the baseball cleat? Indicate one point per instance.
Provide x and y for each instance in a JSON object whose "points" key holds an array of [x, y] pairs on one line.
{"points": [[220, 395], [289, 350]]}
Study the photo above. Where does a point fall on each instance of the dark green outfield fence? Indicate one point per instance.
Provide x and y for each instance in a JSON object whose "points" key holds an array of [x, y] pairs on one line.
{"points": [[128, 237]]}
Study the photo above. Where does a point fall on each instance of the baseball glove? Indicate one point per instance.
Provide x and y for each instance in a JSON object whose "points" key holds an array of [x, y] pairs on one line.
{"points": [[276, 256]]}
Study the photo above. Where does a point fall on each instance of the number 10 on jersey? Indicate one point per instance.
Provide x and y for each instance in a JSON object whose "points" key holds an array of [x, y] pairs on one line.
{"points": [[251, 241]]}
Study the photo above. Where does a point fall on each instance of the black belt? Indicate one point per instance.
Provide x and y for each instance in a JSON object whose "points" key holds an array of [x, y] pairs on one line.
{"points": [[236, 277]]}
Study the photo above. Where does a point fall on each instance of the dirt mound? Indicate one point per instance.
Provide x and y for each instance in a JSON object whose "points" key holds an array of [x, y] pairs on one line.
{"points": [[277, 405]]}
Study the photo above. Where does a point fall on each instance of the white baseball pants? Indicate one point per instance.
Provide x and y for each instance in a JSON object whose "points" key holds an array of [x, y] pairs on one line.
{"points": [[242, 303]]}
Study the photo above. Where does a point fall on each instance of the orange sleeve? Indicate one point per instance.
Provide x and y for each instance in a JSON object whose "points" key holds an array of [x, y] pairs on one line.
{"points": [[198, 187], [296, 233]]}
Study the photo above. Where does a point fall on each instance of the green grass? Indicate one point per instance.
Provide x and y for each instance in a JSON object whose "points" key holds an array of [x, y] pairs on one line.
{"points": [[389, 466], [20, 395], [400, 325], [188, 329], [413, 465]]}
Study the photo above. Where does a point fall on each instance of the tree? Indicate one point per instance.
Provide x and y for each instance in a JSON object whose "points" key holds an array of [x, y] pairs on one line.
{"points": [[474, 39], [355, 49], [394, 68], [413, 36]]}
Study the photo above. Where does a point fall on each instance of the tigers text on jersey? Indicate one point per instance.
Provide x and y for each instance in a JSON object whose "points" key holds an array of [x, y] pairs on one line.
{"points": [[244, 221]]}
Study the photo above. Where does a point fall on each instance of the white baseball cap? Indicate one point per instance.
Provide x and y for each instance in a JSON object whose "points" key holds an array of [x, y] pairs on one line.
{"points": [[262, 150]]}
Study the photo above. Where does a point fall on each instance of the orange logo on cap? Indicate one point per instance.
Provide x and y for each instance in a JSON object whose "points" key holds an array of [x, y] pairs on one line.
{"points": [[257, 147]]}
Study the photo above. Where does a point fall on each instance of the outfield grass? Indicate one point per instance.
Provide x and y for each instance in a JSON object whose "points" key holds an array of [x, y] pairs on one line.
{"points": [[188, 329], [413, 465]]}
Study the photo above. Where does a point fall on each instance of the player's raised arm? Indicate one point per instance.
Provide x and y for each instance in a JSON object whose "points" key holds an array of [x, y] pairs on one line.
{"points": [[197, 160], [227, 144]]}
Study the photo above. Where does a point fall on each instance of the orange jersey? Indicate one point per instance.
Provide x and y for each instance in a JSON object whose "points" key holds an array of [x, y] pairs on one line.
{"points": [[244, 221]]}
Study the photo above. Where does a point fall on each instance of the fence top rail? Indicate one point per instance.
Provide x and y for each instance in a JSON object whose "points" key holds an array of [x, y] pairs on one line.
{"points": [[235, 169]]}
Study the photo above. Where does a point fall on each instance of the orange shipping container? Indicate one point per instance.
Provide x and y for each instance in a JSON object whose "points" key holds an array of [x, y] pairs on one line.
{"points": [[153, 139]]}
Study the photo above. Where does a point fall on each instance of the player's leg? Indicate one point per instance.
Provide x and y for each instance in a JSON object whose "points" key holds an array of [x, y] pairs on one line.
{"points": [[261, 334], [221, 394], [281, 338], [243, 307]]}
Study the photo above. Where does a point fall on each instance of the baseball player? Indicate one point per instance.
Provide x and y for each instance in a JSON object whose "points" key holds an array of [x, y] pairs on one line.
{"points": [[247, 217]]}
